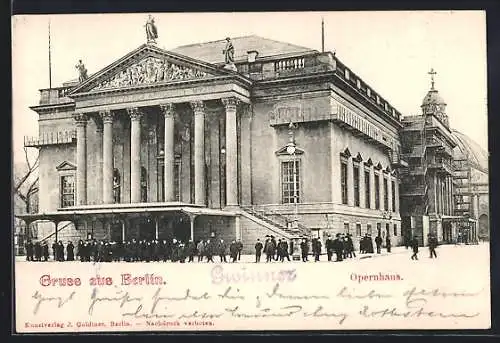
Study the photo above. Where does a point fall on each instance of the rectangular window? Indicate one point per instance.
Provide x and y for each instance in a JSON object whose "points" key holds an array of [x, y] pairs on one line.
{"points": [[358, 229], [177, 181], [386, 195], [377, 192], [346, 228], [343, 181], [290, 182], [356, 185], [379, 229], [367, 189], [368, 229], [387, 230], [395, 229], [393, 186], [67, 190]]}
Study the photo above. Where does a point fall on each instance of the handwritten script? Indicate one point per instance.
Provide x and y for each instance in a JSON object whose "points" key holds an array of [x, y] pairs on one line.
{"points": [[275, 302]]}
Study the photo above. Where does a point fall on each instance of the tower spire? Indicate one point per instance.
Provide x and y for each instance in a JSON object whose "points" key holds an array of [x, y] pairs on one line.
{"points": [[50, 62], [322, 35], [432, 72]]}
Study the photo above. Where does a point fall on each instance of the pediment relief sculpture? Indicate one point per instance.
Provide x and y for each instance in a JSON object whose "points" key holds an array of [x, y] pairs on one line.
{"points": [[148, 71]]}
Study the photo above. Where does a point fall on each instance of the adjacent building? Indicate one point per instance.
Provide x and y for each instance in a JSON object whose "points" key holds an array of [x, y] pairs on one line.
{"points": [[471, 186]]}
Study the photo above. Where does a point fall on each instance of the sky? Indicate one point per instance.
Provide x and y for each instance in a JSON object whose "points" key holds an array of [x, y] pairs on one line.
{"points": [[391, 51]]}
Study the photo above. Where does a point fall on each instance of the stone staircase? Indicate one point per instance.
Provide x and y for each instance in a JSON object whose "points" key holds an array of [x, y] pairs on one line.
{"points": [[279, 221]]}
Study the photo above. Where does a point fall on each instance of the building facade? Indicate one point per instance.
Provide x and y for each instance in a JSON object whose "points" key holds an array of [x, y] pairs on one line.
{"points": [[286, 141]]}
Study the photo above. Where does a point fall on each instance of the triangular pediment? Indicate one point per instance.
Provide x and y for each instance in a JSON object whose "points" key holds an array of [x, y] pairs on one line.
{"points": [[148, 65], [66, 166], [284, 152]]}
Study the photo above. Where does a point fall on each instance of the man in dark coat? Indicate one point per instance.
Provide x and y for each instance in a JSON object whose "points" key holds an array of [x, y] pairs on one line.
{"points": [[45, 251], [60, 251], [79, 250], [233, 251], [239, 245], [388, 243], [329, 247], [275, 248], [29, 250], [221, 247], [317, 249], [338, 247], [258, 250], [54, 251], [350, 246], [269, 250], [191, 250], [38, 251], [433, 243], [414, 247], [284, 250], [70, 252], [378, 242], [210, 250], [304, 248]]}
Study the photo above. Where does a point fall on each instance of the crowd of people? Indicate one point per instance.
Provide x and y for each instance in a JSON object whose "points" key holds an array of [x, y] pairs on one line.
{"points": [[281, 249], [93, 250]]}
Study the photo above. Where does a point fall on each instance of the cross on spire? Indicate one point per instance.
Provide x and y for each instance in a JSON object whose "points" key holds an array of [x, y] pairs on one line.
{"points": [[432, 72]]}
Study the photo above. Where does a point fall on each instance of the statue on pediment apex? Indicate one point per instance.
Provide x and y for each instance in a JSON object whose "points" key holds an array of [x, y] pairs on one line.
{"points": [[151, 32], [82, 71]]}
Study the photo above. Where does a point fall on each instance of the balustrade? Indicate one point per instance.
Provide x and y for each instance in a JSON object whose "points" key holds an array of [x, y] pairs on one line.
{"points": [[50, 138]]}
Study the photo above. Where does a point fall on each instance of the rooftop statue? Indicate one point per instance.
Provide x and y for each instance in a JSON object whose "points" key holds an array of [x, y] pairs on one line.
{"points": [[229, 55], [151, 32], [82, 71], [228, 51]]}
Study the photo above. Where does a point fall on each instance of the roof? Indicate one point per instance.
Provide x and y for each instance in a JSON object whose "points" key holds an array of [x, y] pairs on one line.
{"points": [[469, 149], [211, 52], [432, 97]]}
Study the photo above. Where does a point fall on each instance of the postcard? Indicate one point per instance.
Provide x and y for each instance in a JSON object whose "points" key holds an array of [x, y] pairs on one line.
{"points": [[250, 171]]}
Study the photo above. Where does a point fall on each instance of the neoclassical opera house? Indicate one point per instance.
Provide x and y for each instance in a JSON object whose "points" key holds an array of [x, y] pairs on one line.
{"points": [[286, 141]]}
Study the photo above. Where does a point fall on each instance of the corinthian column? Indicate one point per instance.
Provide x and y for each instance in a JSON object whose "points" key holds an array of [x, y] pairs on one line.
{"points": [[168, 156], [199, 152], [231, 152], [81, 158], [135, 154], [107, 156], [98, 152]]}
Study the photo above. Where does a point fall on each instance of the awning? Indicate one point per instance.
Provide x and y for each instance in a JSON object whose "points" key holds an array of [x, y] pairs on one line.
{"points": [[123, 210]]}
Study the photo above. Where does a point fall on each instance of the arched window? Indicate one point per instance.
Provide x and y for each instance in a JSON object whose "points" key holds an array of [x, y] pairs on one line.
{"points": [[144, 185], [116, 186]]}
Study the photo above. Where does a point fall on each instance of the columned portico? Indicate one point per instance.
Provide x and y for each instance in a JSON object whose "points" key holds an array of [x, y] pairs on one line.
{"points": [[81, 158], [199, 152], [231, 152], [107, 157], [135, 154], [168, 157]]}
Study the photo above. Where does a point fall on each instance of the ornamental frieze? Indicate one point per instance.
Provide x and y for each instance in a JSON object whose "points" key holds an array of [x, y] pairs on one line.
{"points": [[149, 71]]}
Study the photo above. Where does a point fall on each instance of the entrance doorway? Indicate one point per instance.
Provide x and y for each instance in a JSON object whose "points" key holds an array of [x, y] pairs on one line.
{"points": [[116, 232], [181, 228]]}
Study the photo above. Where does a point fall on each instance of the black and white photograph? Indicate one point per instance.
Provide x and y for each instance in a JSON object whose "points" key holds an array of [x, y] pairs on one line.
{"points": [[250, 171]]}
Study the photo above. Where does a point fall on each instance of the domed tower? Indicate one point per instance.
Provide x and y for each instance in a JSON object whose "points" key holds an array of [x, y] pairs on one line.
{"points": [[433, 103]]}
